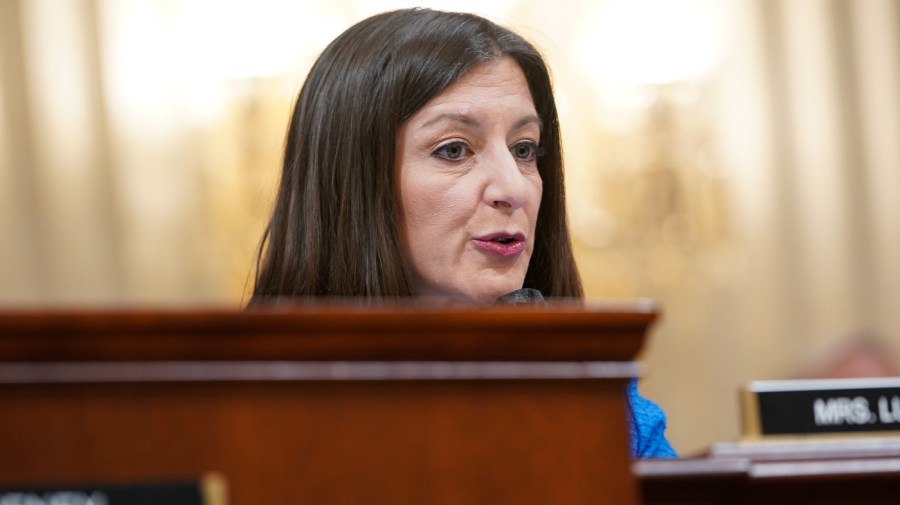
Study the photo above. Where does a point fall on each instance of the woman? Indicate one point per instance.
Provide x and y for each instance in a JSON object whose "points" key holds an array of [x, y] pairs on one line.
{"points": [[421, 147]]}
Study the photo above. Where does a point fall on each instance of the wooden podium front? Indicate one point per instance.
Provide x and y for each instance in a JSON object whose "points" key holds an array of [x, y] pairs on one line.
{"points": [[326, 405]]}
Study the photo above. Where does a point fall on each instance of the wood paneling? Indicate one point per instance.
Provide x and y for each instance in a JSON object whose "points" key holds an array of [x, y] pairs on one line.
{"points": [[324, 405]]}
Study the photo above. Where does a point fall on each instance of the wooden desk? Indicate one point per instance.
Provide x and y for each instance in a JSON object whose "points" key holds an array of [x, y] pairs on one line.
{"points": [[327, 404], [837, 471]]}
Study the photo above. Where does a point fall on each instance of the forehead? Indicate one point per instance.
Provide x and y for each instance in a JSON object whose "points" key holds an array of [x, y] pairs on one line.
{"points": [[490, 87]]}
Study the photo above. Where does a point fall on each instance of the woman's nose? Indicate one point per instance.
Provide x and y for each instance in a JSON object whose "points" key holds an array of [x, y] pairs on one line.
{"points": [[507, 186]]}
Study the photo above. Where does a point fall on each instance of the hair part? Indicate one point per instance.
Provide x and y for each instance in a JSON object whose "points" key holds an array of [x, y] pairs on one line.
{"points": [[335, 227]]}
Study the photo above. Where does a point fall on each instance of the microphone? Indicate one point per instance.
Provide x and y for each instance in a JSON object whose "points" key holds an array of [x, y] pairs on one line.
{"points": [[524, 295]]}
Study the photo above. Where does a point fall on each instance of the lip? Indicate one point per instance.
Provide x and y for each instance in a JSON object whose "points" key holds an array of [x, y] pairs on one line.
{"points": [[511, 249]]}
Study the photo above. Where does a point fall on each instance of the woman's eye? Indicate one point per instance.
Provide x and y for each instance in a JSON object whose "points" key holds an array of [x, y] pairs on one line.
{"points": [[526, 151], [452, 151]]}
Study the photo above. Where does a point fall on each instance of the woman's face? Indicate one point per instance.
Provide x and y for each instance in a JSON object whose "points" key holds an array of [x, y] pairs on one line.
{"points": [[469, 185]]}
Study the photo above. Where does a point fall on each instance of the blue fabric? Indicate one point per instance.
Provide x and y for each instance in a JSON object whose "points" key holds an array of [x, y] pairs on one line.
{"points": [[647, 423]]}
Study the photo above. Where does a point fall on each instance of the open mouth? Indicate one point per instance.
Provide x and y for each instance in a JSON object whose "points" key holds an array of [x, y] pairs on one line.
{"points": [[504, 245], [502, 237]]}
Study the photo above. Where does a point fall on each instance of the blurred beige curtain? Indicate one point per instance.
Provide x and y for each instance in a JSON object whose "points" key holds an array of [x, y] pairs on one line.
{"points": [[116, 189], [57, 209], [809, 131]]}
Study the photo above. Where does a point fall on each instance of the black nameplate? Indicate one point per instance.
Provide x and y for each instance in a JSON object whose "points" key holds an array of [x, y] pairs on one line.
{"points": [[809, 407], [178, 493]]}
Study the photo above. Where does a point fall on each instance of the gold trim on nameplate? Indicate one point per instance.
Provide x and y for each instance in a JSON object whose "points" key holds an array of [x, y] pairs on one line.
{"points": [[214, 489], [750, 402]]}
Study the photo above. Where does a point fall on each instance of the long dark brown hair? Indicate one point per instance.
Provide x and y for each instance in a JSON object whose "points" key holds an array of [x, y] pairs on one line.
{"points": [[335, 227]]}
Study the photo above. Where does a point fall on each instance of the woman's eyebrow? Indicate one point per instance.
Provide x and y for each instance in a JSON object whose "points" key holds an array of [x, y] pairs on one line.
{"points": [[529, 119], [461, 118], [470, 121]]}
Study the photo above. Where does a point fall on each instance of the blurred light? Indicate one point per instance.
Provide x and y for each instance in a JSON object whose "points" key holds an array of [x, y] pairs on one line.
{"points": [[492, 8], [222, 41], [237, 40], [138, 79], [653, 41]]}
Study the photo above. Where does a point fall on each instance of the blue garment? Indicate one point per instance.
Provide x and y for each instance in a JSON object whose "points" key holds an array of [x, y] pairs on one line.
{"points": [[647, 424]]}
